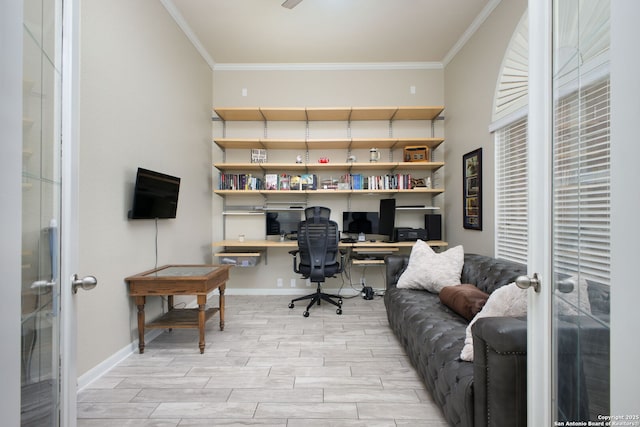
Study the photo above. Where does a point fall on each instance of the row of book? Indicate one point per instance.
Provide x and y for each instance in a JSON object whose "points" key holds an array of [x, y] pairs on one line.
{"points": [[230, 181], [239, 181]]}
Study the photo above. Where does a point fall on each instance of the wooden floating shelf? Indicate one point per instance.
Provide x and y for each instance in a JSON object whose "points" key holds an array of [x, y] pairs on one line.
{"points": [[328, 114], [378, 166], [325, 144], [419, 190]]}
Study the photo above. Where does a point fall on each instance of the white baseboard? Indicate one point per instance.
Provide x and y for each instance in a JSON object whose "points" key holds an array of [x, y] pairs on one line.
{"points": [[288, 291], [106, 365]]}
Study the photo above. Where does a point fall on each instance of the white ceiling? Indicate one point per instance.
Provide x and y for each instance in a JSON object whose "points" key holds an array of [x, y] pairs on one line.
{"points": [[243, 32]]}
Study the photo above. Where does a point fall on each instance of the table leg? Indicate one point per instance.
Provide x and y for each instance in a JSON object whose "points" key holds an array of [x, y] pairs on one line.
{"points": [[140, 303], [221, 305], [170, 306], [202, 303]]}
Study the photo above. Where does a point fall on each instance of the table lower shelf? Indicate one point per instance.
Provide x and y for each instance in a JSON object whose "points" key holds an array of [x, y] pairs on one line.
{"points": [[181, 318]]}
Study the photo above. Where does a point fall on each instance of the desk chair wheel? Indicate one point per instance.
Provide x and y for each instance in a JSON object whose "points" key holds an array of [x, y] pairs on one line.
{"points": [[339, 311], [305, 314], [291, 305]]}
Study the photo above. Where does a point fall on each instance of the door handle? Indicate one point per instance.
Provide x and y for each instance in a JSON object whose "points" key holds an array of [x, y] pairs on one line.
{"points": [[525, 282], [87, 283]]}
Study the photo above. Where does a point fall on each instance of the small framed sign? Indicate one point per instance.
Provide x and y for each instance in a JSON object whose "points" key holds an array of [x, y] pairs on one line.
{"points": [[472, 190]]}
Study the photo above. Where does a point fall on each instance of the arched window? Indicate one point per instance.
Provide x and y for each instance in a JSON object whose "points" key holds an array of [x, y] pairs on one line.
{"points": [[581, 166]]}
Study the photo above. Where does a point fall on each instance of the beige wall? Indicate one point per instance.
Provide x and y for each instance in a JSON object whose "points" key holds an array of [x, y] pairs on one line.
{"points": [[309, 88], [470, 81], [145, 101]]}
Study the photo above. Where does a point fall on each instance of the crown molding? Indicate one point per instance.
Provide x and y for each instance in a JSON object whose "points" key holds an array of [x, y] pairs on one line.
{"points": [[177, 16], [330, 66], [466, 36]]}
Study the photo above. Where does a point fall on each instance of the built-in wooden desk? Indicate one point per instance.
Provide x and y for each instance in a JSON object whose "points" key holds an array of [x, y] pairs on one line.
{"points": [[248, 248], [294, 244]]}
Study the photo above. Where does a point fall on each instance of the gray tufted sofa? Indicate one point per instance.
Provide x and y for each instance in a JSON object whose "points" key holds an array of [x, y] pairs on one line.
{"points": [[491, 390]]}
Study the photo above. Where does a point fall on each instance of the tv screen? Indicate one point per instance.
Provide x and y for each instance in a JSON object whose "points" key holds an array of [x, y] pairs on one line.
{"points": [[387, 217], [360, 222], [155, 195]]}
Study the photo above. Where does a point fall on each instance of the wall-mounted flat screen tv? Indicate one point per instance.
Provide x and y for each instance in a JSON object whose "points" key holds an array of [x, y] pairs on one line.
{"points": [[155, 195]]}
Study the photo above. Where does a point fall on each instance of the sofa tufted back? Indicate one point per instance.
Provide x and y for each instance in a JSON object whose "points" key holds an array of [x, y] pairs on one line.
{"points": [[488, 273]]}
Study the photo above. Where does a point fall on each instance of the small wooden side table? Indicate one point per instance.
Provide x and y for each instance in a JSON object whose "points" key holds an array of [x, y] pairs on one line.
{"points": [[170, 280]]}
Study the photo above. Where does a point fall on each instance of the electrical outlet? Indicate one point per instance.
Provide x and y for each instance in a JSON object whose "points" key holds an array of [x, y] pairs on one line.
{"points": [[308, 282], [279, 282], [293, 283], [244, 91]]}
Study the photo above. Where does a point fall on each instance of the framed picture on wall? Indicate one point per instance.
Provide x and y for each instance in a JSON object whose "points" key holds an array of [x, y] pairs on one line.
{"points": [[472, 190]]}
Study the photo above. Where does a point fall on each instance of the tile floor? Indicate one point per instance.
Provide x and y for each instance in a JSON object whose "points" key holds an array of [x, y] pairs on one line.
{"points": [[269, 367]]}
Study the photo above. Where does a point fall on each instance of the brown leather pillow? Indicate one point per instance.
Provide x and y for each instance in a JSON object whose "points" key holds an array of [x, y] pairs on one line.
{"points": [[466, 300]]}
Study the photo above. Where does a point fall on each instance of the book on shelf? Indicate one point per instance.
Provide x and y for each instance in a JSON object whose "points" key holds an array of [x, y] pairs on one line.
{"points": [[271, 181], [309, 181], [295, 182], [284, 182]]}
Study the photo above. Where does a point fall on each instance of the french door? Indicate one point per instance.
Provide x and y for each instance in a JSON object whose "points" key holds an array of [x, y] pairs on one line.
{"points": [[569, 205], [48, 375]]}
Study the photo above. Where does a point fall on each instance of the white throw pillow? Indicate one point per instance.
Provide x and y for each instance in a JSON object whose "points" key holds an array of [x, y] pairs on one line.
{"points": [[432, 271], [508, 300]]}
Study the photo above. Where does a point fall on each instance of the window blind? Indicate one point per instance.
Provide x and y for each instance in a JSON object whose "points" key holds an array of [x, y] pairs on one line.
{"points": [[581, 183], [511, 192]]}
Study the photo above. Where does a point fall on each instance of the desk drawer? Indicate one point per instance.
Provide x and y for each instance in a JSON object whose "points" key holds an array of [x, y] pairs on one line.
{"points": [[239, 259]]}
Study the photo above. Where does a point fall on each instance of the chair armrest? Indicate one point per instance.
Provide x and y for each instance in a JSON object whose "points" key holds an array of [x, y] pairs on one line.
{"points": [[394, 266], [294, 254]]}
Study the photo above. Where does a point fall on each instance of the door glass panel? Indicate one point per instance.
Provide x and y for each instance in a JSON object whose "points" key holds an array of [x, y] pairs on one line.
{"points": [[581, 225], [40, 214]]}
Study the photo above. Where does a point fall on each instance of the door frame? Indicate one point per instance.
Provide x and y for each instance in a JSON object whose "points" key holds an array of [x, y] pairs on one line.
{"points": [[625, 205], [70, 203], [11, 16], [625, 233], [540, 133]]}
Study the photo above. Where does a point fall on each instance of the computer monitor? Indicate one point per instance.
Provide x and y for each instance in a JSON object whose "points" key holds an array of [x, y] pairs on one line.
{"points": [[360, 222], [387, 215], [282, 222]]}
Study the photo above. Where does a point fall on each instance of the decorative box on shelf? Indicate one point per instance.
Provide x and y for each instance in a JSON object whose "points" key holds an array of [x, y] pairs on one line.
{"points": [[258, 155], [416, 153]]}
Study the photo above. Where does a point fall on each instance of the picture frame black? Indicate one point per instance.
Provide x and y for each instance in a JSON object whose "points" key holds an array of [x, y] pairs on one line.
{"points": [[472, 190]]}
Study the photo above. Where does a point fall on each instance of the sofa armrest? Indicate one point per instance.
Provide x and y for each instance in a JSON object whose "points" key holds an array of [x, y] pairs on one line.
{"points": [[395, 266], [500, 371]]}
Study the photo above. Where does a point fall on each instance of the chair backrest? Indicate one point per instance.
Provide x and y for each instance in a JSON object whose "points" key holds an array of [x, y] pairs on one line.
{"points": [[318, 239]]}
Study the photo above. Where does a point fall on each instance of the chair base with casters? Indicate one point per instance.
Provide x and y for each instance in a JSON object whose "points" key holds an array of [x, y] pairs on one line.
{"points": [[317, 297], [317, 255]]}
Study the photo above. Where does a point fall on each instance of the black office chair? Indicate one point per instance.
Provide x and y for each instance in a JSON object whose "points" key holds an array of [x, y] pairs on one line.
{"points": [[317, 255]]}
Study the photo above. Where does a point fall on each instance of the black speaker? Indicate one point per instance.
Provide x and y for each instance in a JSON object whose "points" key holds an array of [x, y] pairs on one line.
{"points": [[433, 225]]}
